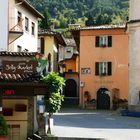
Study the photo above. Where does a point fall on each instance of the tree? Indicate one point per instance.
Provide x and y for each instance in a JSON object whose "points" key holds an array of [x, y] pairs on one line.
{"points": [[63, 10], [3, 126], [89, 21], [45, 22], [53, 99]]}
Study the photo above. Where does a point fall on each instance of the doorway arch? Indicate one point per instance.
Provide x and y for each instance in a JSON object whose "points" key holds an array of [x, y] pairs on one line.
{"points": [[103, 99], [70, 88]]}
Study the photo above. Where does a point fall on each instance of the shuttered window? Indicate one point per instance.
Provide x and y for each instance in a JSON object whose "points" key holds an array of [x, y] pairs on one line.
{"points": [[103, 41], [103, 68]]}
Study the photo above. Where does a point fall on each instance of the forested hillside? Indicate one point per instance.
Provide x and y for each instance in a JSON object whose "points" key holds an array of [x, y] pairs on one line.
{"points": [[91, 12]]}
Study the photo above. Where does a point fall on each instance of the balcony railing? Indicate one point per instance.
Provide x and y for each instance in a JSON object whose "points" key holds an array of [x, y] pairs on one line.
{"points": [[18, 27], [16, 31]]}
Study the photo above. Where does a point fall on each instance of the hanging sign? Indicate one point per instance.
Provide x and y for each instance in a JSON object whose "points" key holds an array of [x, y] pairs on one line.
{"points": [[19, 66]]}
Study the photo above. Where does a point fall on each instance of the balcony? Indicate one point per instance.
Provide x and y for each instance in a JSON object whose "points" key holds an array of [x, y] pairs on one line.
{"points": [[16, 32]]}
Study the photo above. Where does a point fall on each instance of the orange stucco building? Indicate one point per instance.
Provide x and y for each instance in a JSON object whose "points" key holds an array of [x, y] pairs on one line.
{"points": [[68, 63], [103, 64]]}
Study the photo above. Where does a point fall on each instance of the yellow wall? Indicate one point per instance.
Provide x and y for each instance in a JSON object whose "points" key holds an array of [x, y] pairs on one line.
{"points": [[51, 47], [49, 42], [18, 118]]}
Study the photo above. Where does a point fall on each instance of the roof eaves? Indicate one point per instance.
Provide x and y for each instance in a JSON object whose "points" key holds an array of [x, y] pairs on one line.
{"points": [[103, 27], [28, 5]]}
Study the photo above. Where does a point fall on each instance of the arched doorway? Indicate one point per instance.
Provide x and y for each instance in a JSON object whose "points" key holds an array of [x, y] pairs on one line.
{"points": [[70, 88], [103, 99]]}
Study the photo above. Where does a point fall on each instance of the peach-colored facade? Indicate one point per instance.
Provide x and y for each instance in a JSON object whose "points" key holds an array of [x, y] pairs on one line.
{"points": [[117, 54]]}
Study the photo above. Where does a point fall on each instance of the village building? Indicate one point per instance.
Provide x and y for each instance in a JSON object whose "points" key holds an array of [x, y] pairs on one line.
{"points": [[133, 28], [48, 44], [69, 68], [103, 64], [62, 57], [22, 26], [20, 83], [20, 68]]}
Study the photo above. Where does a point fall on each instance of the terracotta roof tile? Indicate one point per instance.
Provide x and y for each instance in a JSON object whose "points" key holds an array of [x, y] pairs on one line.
{"points": [[70, 42], [20, 54], [100, 27], [32, 77]]}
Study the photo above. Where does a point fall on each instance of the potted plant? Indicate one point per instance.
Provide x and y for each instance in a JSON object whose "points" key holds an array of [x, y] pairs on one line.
{"points": [[87, 96], [3, 128], [53, 99]]}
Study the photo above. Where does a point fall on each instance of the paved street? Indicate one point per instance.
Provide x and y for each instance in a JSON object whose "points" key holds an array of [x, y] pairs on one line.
{"points": [[95, 124]]}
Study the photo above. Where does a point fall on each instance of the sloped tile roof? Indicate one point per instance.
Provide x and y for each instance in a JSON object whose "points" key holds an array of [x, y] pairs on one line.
{"points": [[100, 27], [30, 7], [57, 35], [20, 54], [70, 42], [31, 77]]}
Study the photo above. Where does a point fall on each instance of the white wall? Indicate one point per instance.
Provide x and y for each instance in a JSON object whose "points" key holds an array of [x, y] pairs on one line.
{"points": [[134, 65], [134, 9], [3, 25], [134, 53], [68, 52], [27, 40]]}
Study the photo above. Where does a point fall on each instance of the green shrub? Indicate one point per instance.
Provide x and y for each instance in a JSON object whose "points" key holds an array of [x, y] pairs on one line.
{"points": [[3, 126]]}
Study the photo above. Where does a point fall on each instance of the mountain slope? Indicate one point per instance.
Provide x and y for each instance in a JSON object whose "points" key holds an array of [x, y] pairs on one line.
{"points": [[64, 12]]}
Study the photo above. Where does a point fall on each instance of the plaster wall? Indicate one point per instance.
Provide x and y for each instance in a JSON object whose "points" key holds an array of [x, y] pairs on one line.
{"points": [[134, 63], [134, 10], [117, 54], [27, 40]]}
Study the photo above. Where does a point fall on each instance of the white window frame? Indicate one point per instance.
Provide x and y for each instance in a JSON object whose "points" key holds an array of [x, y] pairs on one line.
{"points": [[103, 41], [103, 68]]}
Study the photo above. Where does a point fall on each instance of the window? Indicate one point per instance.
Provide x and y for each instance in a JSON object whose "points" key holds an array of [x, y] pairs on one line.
{"points": [[103, 41], [33, 28], [103, 68], [68, 50], [26, 24], [19, 19], [42, 46], [19, 48], [69, 70]]}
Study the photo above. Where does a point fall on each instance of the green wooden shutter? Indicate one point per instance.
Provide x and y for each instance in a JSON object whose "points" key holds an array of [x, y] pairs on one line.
{"points": [[96, 68], [109, 68], [109, 41], [97, 41]]}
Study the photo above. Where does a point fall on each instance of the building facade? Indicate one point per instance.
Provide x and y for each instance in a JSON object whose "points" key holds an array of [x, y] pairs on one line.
{"points": [[19, 68], [103, 72], [133, 27], [23, 26], [48, 44], [20, 84], [69, 68]]}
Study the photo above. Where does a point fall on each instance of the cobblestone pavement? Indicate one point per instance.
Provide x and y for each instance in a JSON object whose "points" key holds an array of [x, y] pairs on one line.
{"points": [[108, 125]]}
